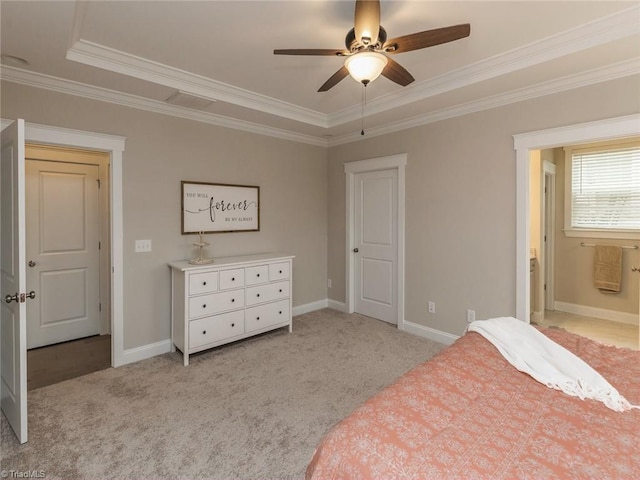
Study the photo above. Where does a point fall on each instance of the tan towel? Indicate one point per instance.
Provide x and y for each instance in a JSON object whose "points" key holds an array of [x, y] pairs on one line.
{"points": [[607, 268]]}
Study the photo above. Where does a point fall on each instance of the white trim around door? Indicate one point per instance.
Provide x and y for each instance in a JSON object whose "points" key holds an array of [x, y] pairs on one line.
{"points": [[399, 163], [607, 129], [114, 145]]}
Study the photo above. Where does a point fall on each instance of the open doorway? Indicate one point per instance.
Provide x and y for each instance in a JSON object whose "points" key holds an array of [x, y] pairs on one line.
{"points": [[571, 261], [68, 258], [542, 191]]}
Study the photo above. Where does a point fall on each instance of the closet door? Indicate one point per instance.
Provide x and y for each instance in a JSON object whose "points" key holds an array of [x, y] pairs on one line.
{"points": [[376, 249]]}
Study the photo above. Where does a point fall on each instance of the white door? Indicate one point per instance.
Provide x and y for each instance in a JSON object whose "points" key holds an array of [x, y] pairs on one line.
{"points": [[375, 244], [13, 344], [63, 255]]}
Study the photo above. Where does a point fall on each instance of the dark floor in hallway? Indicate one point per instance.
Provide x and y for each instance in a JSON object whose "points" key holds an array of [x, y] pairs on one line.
{"points": [[62, 361]]}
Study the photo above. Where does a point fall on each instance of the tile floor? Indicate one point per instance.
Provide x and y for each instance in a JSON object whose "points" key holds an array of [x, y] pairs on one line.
{"points": [[605, 331]]}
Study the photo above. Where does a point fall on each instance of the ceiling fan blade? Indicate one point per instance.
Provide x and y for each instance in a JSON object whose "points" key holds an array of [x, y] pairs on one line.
{"points": [[397, 73], [429, 38], [366, 22], [335, 79], [310, 51]]}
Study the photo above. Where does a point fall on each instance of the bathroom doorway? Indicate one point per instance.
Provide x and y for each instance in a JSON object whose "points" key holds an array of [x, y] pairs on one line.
{"points": [[562, 293]]}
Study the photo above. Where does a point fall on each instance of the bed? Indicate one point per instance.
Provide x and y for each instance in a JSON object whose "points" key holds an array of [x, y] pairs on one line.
{"points": [[467, 413]]}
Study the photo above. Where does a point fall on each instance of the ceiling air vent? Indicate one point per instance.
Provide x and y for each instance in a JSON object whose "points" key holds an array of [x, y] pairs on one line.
{"points": [[189, 100]]}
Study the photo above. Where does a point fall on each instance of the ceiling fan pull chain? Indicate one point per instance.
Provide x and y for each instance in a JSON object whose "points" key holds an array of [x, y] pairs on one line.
{"points": [[364, 103]]}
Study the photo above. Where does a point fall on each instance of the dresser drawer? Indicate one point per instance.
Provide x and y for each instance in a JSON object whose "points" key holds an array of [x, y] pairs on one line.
{"points": [[263, 316], [203, 283], [231, 278], [213, 329], [279, 271], [257, 274], [267, 293], [215, 303]]}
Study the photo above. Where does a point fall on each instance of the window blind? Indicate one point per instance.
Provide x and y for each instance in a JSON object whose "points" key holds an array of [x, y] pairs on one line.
{"points": [[605, 189]]}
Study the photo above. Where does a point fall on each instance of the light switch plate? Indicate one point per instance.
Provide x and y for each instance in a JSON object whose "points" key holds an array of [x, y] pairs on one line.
{"points": [[143, 245]]}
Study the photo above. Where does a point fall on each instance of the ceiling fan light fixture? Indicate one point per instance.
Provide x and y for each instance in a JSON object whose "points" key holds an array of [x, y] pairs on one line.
{"points": [[365, 67]]}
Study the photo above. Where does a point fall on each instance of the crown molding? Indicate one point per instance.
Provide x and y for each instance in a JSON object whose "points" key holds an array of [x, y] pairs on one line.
{"points": [[609, 72], [598, 75], [48, 82], [113, 60], [599, 32]]}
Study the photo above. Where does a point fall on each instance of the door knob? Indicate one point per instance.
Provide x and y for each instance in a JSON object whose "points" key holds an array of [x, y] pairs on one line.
{"points": [[20, 297], [12, 298], [32, 263], [355, 250]]}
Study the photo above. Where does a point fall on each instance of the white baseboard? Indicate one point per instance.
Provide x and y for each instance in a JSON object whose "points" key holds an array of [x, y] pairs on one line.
{"points": [[430, 333], [319, 305], [146, 351], [587, 311], [310, 307], [340, 306]]}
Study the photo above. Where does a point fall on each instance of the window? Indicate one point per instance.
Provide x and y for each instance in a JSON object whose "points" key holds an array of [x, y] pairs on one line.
{"points": [[603, 189]]}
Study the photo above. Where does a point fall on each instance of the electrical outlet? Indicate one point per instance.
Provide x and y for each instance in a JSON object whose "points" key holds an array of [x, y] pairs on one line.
{"points": [[143, 245], [432, 307], [328, 283], [471, 316]]}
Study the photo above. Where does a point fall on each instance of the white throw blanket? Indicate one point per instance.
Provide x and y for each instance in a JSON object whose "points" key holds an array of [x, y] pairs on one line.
{"points": [[533, 353]]}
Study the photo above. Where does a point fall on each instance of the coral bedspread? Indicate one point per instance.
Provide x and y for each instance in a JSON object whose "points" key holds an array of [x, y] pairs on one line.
{"points": [[467, 413]]}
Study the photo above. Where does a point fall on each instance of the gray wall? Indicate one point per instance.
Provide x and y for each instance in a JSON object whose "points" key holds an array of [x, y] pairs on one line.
{"points": [[460, 200], [160, 151]]}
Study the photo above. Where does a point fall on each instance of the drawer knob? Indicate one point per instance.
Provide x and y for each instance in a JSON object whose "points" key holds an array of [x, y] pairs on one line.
{"points": [[233, 279], [257, 318], [280, 271], [233, 300], [258, 275], [204, 306], [280, 290], [204, 332], [257, 294], [233, 324], [204, 283], [280, 312]]}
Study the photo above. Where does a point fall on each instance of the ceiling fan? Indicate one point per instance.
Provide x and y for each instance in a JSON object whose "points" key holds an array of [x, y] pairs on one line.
{"points": [[367, 46]]}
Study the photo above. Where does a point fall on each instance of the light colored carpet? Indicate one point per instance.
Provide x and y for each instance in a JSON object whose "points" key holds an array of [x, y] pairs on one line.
{"points": [[252, 410]]}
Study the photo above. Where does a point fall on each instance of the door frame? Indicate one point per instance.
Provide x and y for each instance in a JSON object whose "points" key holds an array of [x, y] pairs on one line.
{"points": [[114, 146], [397, 162], [524, 143]]}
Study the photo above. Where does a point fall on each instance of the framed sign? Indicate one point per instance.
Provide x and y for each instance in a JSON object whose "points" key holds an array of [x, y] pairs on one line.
{"points": [[218, 208]]}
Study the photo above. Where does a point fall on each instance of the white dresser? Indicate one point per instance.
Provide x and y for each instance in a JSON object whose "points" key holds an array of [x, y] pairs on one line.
{"points": [[231, 299]]}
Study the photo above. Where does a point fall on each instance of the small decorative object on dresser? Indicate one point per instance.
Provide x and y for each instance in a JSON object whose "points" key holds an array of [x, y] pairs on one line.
{"points": [[236, 298], [201, 260]]}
